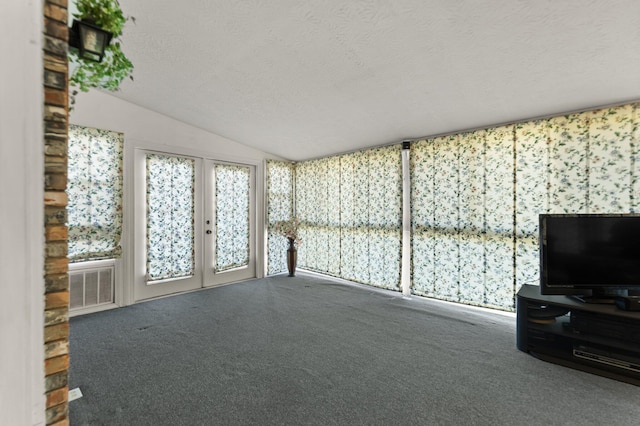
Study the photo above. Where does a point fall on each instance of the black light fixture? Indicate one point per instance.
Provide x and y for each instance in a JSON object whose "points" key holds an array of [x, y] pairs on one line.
{"points": [[90, 40]]}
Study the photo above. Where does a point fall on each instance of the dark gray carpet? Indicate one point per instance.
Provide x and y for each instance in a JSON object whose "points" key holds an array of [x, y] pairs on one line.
{"points": [[316, 351]]}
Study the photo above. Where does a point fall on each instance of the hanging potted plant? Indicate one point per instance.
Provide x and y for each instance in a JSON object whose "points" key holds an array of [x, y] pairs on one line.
{"points": [[289, 228], [98, 71]]}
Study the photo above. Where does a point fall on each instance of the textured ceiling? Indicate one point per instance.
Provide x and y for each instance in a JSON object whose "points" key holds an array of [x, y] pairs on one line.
{"points": [[305, 79]]}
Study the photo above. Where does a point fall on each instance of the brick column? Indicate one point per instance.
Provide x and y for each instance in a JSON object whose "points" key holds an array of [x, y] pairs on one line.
{"points": [[56, 124]]}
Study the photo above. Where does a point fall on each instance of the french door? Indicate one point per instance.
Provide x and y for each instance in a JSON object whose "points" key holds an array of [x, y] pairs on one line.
{"points": [[229, 235], [194, 223]]}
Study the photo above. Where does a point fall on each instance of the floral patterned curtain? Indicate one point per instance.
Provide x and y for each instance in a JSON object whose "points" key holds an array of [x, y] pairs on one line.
{"points": [[313, 203], [579, 163], [170, 217], [94, 188], [475, 201], [232, 184], [384, 222], [476, 198], [351, 210], [280, 181]]}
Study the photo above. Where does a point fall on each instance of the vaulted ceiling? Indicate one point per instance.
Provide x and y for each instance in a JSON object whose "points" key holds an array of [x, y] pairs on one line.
{"points": [[308, 78]]}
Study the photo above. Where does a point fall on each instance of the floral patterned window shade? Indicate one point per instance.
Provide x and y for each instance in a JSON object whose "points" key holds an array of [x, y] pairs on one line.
{"points": [[579, 163], [94, 188], [313, 203], [462, 217], [476, 198], [232, 185], [475, 201], [170, 217], [280, 181], [384, 222], [351, 212]]}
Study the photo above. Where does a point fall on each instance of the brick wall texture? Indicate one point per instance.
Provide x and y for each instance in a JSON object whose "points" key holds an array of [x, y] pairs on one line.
{"points": [[56, 125]]}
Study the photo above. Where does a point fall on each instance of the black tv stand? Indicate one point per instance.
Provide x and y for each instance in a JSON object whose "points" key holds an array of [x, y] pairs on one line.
{"points": [[594, 300], [596, 338]]}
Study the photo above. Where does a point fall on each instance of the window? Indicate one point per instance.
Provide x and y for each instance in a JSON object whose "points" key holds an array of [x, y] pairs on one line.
{"points": [[232, 193], [170, 217], [94, 188], [280, 181]]}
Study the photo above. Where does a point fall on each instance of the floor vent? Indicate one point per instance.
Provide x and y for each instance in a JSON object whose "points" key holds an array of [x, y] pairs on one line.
{"points": [[90, 285]]}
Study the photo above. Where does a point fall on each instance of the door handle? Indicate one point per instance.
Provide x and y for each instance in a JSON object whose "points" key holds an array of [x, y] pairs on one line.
{"points": [[208, 231]]}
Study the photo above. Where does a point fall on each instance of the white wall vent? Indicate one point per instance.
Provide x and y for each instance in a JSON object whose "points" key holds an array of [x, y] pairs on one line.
{"points": [[91, 284]]}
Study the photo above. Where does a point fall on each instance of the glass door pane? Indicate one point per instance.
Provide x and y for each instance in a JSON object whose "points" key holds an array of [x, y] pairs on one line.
{"points": [[232, 185], [229, 235], [170, 217], [167, 239]]}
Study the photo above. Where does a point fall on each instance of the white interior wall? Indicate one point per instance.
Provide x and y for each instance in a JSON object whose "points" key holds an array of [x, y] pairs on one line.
{"points": [[142, 126], [146, 129], [22, 235]]}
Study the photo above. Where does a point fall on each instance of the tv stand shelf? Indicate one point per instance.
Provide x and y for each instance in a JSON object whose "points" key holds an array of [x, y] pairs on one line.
{"points": [[599, 339]]}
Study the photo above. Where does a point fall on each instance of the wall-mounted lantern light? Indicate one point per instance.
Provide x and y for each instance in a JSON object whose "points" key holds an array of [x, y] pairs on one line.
{"points": [[90, 40]]}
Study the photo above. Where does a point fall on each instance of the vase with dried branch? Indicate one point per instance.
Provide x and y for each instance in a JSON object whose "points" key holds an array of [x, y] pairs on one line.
{"points": [[290, 229]]}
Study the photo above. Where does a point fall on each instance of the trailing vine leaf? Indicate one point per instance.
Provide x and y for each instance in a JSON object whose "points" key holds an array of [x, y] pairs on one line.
{"points": [[115, 66]]}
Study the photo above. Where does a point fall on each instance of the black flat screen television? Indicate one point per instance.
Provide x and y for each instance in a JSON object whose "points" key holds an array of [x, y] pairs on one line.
{"points": [[592, 255]]}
